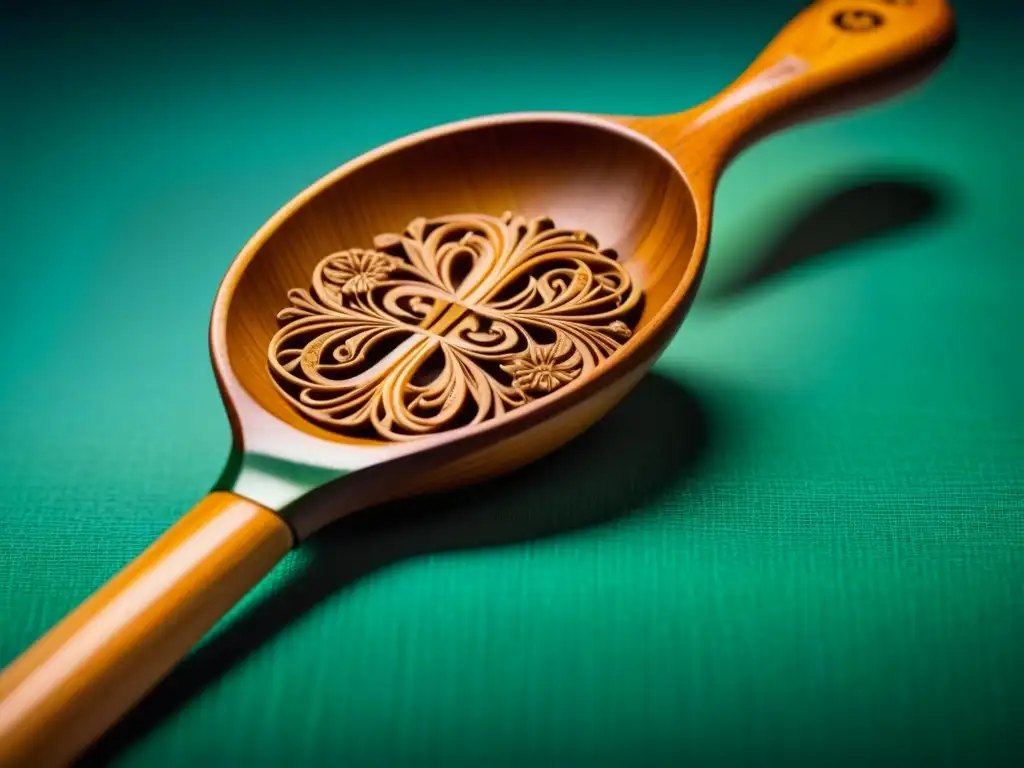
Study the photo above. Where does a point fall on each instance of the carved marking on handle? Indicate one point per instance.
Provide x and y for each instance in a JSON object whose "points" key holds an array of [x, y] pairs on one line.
{"points": [[858, 21], [457, 320]]}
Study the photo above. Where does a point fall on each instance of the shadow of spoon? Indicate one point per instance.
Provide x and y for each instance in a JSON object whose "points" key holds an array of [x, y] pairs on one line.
{"points": [[851, 210], [646, 444]]}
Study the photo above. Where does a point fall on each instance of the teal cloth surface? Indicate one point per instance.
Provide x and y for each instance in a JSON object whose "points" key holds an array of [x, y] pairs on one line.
{"points": [[799, 541]]}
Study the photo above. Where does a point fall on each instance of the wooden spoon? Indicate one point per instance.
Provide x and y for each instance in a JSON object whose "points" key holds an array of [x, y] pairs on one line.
{"points": [[443, 309]]}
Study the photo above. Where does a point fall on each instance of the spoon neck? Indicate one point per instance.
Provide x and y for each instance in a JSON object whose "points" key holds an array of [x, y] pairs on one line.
{"points": [[826, 61]]}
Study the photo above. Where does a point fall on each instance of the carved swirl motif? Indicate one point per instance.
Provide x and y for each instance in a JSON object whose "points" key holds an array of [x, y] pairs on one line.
{"points": [[457, 320]]}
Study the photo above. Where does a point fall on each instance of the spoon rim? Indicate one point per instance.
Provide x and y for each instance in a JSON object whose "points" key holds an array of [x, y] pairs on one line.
{"points": [[257, 430]]}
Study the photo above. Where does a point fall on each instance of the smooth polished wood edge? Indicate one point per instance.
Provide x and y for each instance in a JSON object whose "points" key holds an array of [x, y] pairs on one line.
{"points": [[258, 431], [372, 474], [834, 56], [91, 668]]}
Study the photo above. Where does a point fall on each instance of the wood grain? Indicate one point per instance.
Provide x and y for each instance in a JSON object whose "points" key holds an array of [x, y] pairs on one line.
{"points": [[83, 675], [833, 56]]}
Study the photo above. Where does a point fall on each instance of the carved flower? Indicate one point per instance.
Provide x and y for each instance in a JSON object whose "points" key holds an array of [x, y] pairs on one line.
{"points": [[541, 369], [359, 271]]}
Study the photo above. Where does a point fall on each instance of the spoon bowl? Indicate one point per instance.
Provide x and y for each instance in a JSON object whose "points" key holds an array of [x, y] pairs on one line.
{"points": [[585, 173], [446, 308]]}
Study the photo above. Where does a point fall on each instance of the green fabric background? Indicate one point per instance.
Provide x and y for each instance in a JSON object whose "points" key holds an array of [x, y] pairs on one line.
{"points": [[799, 542]]}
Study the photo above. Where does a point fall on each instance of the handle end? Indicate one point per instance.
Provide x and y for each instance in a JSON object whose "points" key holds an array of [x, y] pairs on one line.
{"points": [[87, 671], [833, 56]]}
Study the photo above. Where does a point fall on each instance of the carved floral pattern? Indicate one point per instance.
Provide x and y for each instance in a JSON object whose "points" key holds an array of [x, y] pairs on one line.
{"points": [[544, 368], [456, 320], [359, 271]]}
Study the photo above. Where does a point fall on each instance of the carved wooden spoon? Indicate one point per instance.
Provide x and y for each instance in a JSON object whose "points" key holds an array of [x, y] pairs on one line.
{"points": [[443, 309]]}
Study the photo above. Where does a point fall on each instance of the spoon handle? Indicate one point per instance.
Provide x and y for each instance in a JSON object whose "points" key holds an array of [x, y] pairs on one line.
{"points": [[92, 667], [833, 56]]}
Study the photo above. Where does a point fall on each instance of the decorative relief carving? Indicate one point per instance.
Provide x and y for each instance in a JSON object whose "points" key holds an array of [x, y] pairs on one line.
{"points": [[456, 320]]}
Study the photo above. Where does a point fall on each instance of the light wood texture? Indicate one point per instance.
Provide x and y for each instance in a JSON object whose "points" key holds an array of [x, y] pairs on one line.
{"points": [[82, 676], [641, 186], [833, 56]]}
